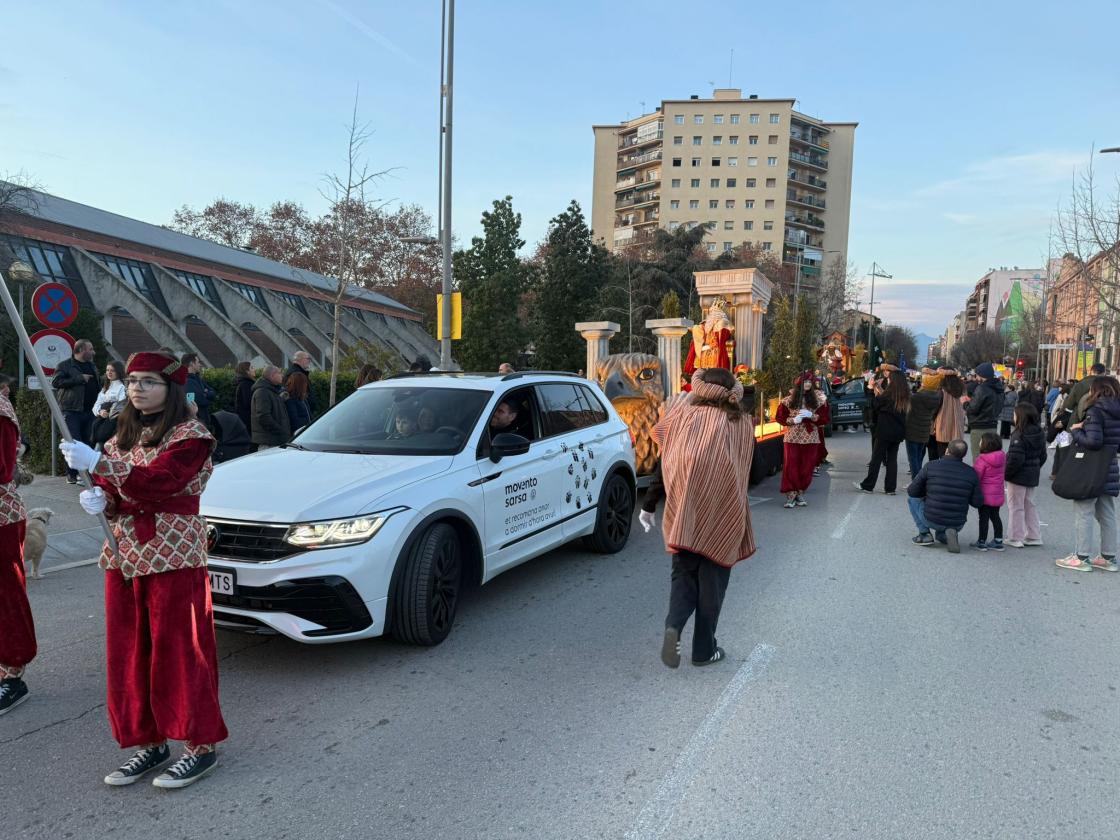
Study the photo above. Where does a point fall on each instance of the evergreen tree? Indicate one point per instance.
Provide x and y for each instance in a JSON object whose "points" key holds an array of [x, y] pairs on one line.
{"points": [[782, 361], [492, 279], [573, 271]]}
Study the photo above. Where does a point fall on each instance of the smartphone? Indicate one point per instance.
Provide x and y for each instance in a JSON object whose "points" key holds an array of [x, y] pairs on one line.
{"points": [[190, 396]]}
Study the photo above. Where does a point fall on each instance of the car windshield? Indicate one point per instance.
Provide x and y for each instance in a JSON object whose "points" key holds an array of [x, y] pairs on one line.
{"points": [[851, 389], [406, 420]]}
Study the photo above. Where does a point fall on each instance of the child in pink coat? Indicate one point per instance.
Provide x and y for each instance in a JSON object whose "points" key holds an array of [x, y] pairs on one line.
{"points": [[989, 466]]}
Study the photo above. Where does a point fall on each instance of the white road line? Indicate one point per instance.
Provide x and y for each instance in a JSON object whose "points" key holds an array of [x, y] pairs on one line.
{"points": [[66, 566], [658, 813], [838, 534]]}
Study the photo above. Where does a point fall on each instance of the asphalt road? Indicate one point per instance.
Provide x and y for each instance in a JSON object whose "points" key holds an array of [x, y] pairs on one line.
{"points": [[874, 690]]}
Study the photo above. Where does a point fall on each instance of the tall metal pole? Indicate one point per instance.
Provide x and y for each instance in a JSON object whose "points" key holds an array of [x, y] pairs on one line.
{"points": [[871, 320], [445, 215], [52, 403], [797, 283]]}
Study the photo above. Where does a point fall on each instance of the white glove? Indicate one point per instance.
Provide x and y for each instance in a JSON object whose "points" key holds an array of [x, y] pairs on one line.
{"points": [[92, 501], [647, 519], [79, 456], [797, 420]]}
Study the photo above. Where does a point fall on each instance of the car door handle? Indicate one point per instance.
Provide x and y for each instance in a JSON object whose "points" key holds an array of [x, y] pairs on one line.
{"points": [[549, 454], [480, 481]]}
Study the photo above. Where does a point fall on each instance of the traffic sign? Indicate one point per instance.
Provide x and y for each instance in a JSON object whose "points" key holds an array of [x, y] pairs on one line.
{"points": [[52, 347], [54, 305]]}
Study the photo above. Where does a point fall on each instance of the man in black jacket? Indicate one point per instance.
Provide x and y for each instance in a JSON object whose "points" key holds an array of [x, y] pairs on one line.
{"points": [[985, 407], [301, 363], [940, 496], [203, 393], [270, 418], [76, 385]]}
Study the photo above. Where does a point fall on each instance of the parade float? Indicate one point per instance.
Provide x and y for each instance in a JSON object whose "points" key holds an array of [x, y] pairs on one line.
{"points": [[642, 385]]}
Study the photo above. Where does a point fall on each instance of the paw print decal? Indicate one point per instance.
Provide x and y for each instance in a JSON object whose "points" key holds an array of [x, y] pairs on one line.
{"points": [[568, 498], [579, 504], [571, 469]]}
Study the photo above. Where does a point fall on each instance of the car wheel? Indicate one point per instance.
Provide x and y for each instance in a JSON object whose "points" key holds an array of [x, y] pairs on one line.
{"points": [[616, 513], [427, 592]]}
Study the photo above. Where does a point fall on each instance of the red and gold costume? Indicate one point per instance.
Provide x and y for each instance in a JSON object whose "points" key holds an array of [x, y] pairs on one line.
{"points": [[801, 449], [162, 654], [17, 628], [712, 343]]}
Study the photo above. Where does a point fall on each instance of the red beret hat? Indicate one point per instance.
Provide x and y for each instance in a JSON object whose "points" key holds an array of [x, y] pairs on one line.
{"points": [[157, 363]]}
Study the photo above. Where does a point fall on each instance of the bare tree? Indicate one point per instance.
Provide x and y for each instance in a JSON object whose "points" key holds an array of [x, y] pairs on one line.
{"points": [[839, 291], [978, 347], [18, 195], [1087, 231]]}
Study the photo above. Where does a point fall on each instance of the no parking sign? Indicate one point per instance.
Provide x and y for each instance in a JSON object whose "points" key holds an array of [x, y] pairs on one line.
{"points": [[54, 306]]}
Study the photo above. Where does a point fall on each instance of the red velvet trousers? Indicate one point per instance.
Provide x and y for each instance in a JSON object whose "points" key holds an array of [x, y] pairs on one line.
{"points": [[797, 466], [162, 659], [17, 627]]}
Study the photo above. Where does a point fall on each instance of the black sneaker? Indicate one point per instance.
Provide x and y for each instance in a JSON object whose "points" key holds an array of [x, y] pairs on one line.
{"points": [[923, 539], [13, 691], [952, 541], [143, 761], [187, 770], [71, 480]]}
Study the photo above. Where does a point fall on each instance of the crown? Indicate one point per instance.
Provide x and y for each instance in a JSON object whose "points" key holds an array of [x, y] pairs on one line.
{"points": [[720, 304]]}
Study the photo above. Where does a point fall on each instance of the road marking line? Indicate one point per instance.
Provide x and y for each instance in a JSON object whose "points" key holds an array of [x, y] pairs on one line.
{"points": [[66, 566], [658, 813], [838, 534]]}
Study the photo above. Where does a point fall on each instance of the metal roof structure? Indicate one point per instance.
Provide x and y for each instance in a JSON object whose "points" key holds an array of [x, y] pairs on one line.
{"points": [[61, 211]]}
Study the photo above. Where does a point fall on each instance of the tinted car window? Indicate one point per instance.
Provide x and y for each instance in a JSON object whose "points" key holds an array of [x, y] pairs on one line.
{"points": [[398, 421], [565, 408], [851, 389]]}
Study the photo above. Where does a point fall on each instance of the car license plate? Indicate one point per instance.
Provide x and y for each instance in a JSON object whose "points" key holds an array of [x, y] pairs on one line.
{"points": [[221, 582], [846, 406]]}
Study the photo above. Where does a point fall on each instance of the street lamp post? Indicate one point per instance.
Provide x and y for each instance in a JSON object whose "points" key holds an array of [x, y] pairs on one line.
{"points": [[445, 193], [875, 272]]}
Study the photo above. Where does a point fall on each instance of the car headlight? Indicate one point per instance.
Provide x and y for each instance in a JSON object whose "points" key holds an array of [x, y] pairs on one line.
{"points": [[336, 532]]}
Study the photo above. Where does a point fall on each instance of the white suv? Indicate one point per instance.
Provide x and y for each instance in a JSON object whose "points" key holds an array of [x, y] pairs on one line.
{"points": [[374, 517]]}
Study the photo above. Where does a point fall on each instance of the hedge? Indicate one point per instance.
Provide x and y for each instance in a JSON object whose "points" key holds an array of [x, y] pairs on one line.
{"points": [[35, 424]]}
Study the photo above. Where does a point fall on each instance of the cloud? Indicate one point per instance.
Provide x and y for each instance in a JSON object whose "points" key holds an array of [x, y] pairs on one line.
{"points": [[1025, 171], [368, 31], [923, 306], [961, 218]]}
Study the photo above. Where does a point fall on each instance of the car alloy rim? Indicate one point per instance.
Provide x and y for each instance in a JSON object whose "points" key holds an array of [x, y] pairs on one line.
{"points": [[618, 512], [445, 585]]}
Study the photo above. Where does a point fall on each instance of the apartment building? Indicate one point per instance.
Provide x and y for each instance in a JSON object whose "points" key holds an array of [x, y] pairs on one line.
{"points": [[756, 170]]}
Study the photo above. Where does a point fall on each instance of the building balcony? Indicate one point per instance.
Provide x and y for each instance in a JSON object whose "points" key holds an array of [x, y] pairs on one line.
{"points": [[811, 181], [635, 200], [801, 239], [625, 183], [632, 140], [651, 217], [811, 222], [808, 160], [806, 201], [639, 160], [805, 138]]}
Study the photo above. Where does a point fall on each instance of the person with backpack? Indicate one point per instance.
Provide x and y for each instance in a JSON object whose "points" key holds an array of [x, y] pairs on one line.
{"points": [[1026, 456]]}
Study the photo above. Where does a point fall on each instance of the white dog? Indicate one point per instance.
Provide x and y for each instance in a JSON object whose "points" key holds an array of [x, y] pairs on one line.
{"points": [[35, 543]]}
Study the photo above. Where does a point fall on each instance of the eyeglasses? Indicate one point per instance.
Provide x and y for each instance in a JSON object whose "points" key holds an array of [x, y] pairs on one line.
{"points": [[143, 384]]}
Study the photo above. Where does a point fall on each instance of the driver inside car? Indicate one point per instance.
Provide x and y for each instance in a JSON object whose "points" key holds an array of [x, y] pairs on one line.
{"points": [[504, 419]]}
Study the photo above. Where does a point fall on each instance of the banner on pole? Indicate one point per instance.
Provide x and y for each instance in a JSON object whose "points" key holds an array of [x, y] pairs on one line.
{"points": [[456, 316]]}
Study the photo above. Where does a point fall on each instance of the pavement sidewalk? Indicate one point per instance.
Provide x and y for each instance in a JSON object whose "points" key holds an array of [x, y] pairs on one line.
{"points": [[75, 537]]}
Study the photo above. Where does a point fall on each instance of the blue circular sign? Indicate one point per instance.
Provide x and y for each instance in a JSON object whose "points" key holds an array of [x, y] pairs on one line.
{"points": [[54, 305]]}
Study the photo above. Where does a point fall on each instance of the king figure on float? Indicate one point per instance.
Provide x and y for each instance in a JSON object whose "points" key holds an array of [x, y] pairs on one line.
{"points": [[712, 342]]}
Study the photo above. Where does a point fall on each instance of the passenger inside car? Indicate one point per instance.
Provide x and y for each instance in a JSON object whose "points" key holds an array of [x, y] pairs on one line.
{"points": [[426, 420], [406, 423]]}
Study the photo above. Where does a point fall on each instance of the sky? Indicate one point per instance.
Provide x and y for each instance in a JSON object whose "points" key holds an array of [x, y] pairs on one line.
{"points": [[973, 117]]}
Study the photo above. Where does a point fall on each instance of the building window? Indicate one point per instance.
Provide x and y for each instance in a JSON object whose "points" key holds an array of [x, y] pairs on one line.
{"points": [[694, 183], [251, 294], [203, 286], [715, 161], [714, 183], [717, 141], [775, 119], [675, 204], [729, 204], [676, 182], [674, 225], [769, 204], [771, 182], [767, 225], [691, 225], [730, 183], [713, 204], [748, 225], [356, 312], [733, 161], [729, 225], [752, 182], [752, 161], [727, 246], [766, 246], [772, 140], [698, 119], [51, 262], [694, 204], [676, 161], [734, 119], [752, 140], [733, 139], [748, 204], [296, 302], [771, 161], [718, 119], [678, 140], [696, 161], [678, 119], [754, 119], [139, 276], [711, 247], [697, 140]]}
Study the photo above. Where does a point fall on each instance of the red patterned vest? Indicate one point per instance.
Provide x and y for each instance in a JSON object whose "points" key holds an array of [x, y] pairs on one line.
{"points": [[179, 540], [11, 503]]}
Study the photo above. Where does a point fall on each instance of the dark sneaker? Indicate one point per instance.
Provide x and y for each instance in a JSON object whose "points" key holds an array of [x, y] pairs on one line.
{"points": [[952, 541], [71, 480], [995, 545], [13, 691], [144, 761], [718, 656], [923, 539], [671, 647], [187, 770], [979, 545], [861, 488]]}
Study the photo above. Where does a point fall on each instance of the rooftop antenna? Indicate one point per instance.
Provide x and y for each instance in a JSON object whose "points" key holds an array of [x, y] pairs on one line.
{"points": [[642, 102], [731, 67]]}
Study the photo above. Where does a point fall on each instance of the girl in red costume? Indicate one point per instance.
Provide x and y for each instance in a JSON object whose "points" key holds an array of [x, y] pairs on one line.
{"points": [[800, 413], [17, 628], [159, 623]]}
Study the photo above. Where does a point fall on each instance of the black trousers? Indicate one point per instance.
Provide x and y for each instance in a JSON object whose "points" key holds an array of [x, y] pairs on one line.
{"points": [[934, 449], [884, 453], [697, 585], [988, 513], [80, 426]]}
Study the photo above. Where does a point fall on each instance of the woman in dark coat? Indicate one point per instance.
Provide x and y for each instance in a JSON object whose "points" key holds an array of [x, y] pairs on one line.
{"points": [[1025, 456], [1100, 428], [891, 408], [297, 386], [243, 394]]}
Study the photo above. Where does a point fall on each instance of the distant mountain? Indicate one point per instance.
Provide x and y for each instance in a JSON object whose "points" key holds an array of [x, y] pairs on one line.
{"points": [[923, 341]]}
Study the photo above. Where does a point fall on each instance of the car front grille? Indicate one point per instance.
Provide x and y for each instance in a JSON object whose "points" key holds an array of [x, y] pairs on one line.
{"points": [[330, 601], [250, 542]]}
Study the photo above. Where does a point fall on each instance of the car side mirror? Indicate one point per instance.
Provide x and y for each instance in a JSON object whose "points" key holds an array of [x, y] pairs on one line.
{"points": [[507, 443]]}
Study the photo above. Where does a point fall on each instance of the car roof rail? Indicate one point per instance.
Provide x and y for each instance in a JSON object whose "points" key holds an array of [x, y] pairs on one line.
{"points": [[406, 374], [517, 374]]}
